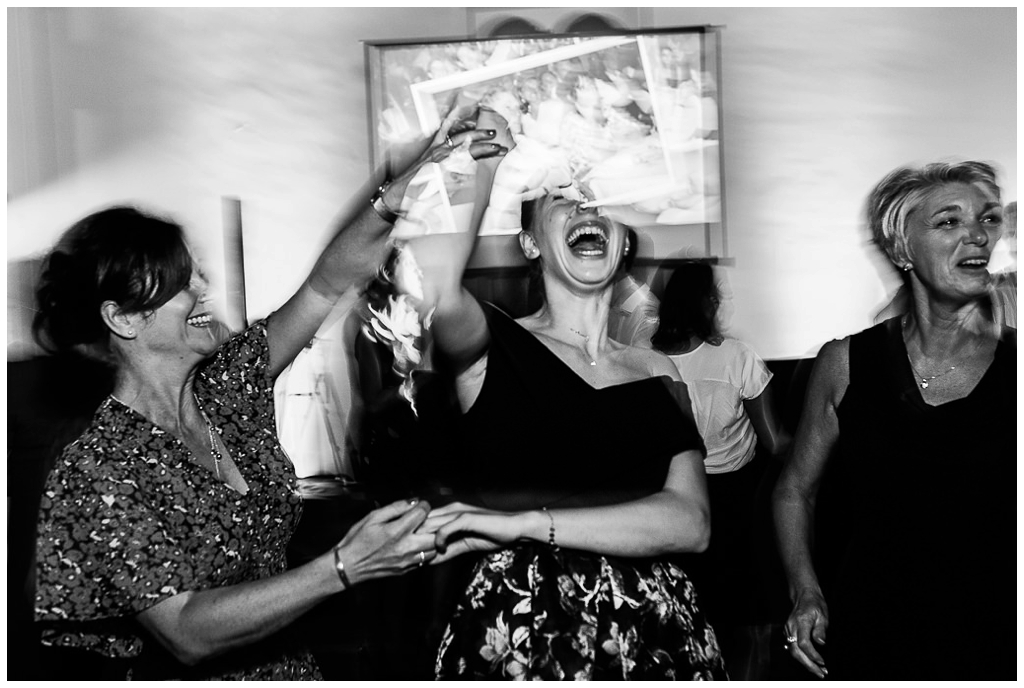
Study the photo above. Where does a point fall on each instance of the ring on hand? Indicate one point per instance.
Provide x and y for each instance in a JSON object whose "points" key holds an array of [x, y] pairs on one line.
{"points": [[448, 142], [790, 639], [423, 558]]}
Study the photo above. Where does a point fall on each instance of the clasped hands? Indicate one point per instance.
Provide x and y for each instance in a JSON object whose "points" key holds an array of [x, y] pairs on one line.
{"points": [[459, 528]]}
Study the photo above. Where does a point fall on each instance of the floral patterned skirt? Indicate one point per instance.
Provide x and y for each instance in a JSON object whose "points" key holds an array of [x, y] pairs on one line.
{"points": [[534, 613]]}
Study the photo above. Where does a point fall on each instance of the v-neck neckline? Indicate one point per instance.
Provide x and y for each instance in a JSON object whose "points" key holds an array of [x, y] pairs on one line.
{"points": [[904, 373], [555, 362], [193, 459]]}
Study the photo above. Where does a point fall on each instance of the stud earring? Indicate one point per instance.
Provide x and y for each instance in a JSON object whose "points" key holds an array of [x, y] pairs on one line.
{"points": [[131, 333], [907, 267]]}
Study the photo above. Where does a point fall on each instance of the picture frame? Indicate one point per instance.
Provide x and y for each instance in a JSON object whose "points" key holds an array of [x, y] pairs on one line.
{"points": [[633, 117]]}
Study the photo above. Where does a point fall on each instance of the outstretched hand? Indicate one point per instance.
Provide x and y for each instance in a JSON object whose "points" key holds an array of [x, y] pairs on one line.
{"points": [[386, 542]]}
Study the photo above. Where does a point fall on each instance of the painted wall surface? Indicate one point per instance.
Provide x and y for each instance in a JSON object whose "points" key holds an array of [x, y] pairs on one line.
{"points": [[177, 108]]}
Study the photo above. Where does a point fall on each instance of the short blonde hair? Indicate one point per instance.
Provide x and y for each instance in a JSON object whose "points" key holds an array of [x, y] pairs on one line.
{"points": [[903, 190]]}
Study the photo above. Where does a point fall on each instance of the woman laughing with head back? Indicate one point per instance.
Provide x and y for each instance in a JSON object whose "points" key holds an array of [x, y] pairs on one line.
{"points": [[585, 473]]}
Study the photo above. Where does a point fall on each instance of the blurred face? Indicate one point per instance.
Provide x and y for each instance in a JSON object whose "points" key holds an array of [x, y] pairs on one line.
{"points": [[581, 248], [184, 327], [950, 237]]}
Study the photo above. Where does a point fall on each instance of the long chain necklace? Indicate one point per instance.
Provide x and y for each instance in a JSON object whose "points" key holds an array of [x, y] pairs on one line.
{"points": [[214, 450], [217, 456], [586, 340]]}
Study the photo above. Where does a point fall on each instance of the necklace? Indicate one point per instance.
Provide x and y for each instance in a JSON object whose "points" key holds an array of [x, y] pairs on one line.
{"points": [[213, 444], [217, 457], [586, 340], [924, 379]]}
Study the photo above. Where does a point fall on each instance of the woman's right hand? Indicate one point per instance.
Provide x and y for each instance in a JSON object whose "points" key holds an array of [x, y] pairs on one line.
{"points": [[385, 542], [805, 628]]}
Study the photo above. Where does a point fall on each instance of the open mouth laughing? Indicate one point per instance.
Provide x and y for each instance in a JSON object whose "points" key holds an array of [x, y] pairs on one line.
{"points": [[588, 239], [976, 263], [201, 320]]}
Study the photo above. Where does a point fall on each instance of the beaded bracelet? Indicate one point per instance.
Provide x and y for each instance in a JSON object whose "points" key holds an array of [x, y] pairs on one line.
{"points": [[340, 568], [381, 207], [551, 531]]}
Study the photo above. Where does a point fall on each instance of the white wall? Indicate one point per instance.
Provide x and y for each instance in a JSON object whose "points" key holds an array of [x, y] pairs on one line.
{"points": [[178, 107]]}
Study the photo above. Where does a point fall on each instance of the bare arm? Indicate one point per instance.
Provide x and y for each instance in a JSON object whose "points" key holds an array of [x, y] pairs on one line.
{"points": [[352, 257], [771, 434], [674, 519], [197, 625], [794, 500], [459, 326]]}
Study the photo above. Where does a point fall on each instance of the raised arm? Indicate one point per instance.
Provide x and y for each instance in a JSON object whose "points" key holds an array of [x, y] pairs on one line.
{"points": [[459, 327], [793, 501], [358, 248]]}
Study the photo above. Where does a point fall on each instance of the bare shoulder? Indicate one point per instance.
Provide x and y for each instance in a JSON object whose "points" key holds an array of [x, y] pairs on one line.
{"points": [[831, 373]]}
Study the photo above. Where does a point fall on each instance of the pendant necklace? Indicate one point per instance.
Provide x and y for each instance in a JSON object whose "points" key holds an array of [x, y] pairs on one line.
{"points": [[924, 379], [586, 340], [214, 451]]}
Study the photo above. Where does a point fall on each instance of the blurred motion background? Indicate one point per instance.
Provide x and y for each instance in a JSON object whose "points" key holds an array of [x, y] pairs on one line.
{"points": [[180, 109]]}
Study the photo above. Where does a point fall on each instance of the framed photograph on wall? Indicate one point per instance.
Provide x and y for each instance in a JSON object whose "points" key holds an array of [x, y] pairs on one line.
{"points": [[633, 117]]}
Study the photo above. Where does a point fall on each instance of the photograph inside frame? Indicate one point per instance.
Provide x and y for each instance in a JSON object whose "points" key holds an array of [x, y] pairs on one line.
{"points": [[632, 118]]}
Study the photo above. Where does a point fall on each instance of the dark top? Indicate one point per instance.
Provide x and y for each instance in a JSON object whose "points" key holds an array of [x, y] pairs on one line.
{"points": [[926, 582], [540, 435], [129, 518]]}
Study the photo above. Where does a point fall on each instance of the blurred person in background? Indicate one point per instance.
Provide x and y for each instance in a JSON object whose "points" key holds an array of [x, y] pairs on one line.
{"points": [[915, 418], [730, 392]]}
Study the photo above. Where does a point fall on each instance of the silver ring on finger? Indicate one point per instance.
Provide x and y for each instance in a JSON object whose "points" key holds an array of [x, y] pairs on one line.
{"points": [[423, 558], [790, 639]]}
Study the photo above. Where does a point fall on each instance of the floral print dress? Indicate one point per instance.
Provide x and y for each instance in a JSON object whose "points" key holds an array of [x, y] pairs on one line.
{"points": [[538, 435], [128, 519]]}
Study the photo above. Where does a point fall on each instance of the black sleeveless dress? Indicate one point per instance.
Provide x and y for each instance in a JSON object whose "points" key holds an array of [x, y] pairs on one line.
{"points": [[926, 581], [539, 435]]}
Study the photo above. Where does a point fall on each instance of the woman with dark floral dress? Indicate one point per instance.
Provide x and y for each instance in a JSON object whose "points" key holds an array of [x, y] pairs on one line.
{"points": [[583, 473], [163, 528]]}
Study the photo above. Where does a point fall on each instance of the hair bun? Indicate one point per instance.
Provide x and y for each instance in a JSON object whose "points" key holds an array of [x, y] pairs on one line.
{"points": [[65, 317]]}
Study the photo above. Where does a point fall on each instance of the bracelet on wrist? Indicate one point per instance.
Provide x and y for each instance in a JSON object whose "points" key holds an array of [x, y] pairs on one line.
{"points": [[380, 206], [340, 568]]}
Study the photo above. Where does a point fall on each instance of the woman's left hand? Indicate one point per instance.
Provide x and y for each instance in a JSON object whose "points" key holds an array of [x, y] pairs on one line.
{"points": [[459, 528]]}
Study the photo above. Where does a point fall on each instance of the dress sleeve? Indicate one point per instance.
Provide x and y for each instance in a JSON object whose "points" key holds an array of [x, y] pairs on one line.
{"points": [[104, 554], [237, 379], [754, 374]]}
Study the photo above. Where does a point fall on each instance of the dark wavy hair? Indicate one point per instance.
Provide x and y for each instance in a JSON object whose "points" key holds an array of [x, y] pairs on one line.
{"points": [[120, 254], [688, 306]]}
